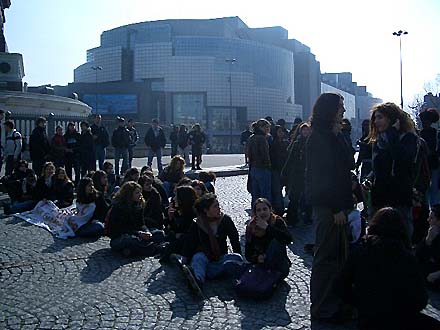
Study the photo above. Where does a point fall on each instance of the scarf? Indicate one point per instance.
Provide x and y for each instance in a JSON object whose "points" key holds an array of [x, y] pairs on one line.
{"points": [[204, 224]]}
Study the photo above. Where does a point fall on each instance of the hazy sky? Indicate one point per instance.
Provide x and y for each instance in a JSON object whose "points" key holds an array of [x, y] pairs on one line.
{"points": [[345, 35]]}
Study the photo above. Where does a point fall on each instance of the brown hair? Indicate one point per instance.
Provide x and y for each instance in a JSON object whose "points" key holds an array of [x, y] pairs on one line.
{"points": [[124, 196]]}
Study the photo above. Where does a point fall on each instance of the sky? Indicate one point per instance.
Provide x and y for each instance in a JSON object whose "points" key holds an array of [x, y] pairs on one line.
{"points": [[345, 35]]}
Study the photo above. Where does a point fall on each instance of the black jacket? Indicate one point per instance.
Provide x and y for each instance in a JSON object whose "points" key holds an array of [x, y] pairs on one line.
{"points": [[134, 136], [197, 240], [153, 211], [155, 142], [167, 176], [39, 146], [102, 206], [382, 279], [393, 169], [328, 164], [430, 136], [244, 137], [87, 149], [42, 191], [63, 193], [103, 138], [294, 170], [278, 154], [182, 139], [72, 142], [126, 220], [258, 150], [121, 138]]}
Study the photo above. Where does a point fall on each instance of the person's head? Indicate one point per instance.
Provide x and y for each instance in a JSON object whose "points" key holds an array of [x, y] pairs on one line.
{"points": [[40, 122], [263, 125], [196, 127], [130, 123], [428, 117], [281, 122], [346, 125], [185, 199], [129, 194], [155, 123], [389, 223], [208, 206], [108, 168], [71, 127], [146, 183], [177, 164], [98, 120], [149, 173], [9, 126], [199, 187], [120, 121], [175, 128], [84, 126], [385, 115], [132, 174], [60, 174], [182, 128], [262, 209], [328, 110], [280, 133], [144, 169], [31, 178], [59, 130], [86, 193], [269, 119], [100, 181], [365, 127], [206, 176], [434, 215], [48, 169], [22, 166], [305, 130]]}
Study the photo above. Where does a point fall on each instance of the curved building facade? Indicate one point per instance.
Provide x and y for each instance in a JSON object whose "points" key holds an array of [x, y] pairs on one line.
{"points": [[188, 61]]}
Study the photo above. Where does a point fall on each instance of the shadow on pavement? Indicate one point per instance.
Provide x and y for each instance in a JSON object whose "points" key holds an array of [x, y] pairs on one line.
{"points": [[102, 263], [60, 244]]}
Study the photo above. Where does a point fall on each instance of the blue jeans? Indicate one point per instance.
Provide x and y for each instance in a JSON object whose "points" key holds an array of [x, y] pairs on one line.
{"points": [[90, 229], [277, 194], [433, 191], [19, 207], [261, 183], [100, 156], [203, 268], [130, 155], [150, 155], [121, 153]]}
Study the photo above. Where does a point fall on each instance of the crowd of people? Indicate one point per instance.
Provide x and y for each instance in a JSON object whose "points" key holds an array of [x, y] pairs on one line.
{"points": [[377, 244]]}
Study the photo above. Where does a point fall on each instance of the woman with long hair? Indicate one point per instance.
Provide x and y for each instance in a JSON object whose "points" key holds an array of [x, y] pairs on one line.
{"points": [[266, 239], [127, 230], [172, 173], [153, 211], [45, 183], [63, 188], [328, 188], [103, 201], [394, 152], [382, 280]]}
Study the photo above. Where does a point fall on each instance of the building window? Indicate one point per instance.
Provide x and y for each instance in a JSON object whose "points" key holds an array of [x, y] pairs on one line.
{"points": [[189, 109]]}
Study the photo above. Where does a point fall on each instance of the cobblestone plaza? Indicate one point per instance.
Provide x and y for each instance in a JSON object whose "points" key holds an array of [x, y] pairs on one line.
{"points": [[48, 283]]}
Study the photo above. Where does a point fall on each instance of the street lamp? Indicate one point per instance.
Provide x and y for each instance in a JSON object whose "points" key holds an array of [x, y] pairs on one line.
{"points": [[230, 61], [96, 69], [399, 34]]}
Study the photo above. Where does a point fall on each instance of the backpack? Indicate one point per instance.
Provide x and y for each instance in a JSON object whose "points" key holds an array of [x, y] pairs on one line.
{"points": [[107, 223], [257, 282], [422, 179]]}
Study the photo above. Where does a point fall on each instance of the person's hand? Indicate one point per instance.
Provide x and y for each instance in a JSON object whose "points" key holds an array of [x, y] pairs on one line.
{"points": [[432, 277], [171, 211], [261, 224], [396, 125], [366, 185], [340, 218], [261, 258], [144, 235]]}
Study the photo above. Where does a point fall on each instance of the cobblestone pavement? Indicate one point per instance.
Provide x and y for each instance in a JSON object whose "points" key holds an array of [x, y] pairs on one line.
{"points": [[48, 283]]}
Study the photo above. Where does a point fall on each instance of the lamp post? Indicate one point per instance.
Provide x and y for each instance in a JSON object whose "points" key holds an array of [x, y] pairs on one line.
{"points": [[230, 61], [96, 69], [399, 34]]}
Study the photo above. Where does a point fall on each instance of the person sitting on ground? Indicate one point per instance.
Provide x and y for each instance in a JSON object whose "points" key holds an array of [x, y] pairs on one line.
{"points": [[25, 198], [153, 214], [63, 188], [158, 185], [208, 178], [113, 179], [14, 181], [86, 198], [132, 174], [381, 277], [144, 169], [126, 228], [428, 250], [206, 247], [45, 183], [266, 239], [103, 200], [172, 173], [199, 187]]}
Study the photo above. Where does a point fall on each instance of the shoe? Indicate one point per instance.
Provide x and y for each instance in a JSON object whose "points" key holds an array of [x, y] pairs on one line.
{"points": [[177, 260], [199, 168], [7, 209], [193, 168], [194, 283]]}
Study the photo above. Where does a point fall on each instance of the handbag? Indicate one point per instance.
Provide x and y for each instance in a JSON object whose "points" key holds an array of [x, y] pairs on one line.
{"points": [[257, 282]]}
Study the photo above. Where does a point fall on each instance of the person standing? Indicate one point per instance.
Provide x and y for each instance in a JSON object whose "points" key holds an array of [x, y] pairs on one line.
{"points": [[365, 151], [2, 115], [196, 138], [101, 139], [121, 143], [72, 138], [39, 146], [182, 144], [134, 138], [244, 138], [174, 137], [155, 140], [13, 144], [86, 149], [58, 148], [328, 189]]}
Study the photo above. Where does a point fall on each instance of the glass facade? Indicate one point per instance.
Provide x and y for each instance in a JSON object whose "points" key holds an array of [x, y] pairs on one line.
{"points": [[189, 109]]}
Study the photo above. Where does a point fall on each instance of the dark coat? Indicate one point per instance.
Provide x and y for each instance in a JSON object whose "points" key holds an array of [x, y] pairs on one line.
{"points": [[182, 139], [39, 146], [294, 170], [126, 219], [103, 138], [153, 211], [167, 176], [102, 206], [155, 142], [430, 136], [278, 154], [87, 150], [393, 169], [382, 279], [72, 142], [42, 191], [121, 138], [328, 164], [63, 193], [258, 150], [196, 139], [197, 239]]}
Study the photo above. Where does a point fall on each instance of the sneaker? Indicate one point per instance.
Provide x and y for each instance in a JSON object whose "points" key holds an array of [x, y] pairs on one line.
{"points": [[199, 168], [194, 283], [177, 260]]}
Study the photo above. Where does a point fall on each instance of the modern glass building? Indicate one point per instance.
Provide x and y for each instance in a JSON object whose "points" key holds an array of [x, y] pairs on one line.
{"points": [[217, 72]]}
